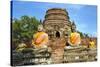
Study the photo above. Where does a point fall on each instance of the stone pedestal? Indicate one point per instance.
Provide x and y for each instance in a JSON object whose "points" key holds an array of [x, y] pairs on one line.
{"points": [[57, 53]]}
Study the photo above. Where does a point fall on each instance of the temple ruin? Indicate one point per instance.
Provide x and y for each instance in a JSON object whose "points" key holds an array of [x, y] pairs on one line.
{"points": [[57, 22]]}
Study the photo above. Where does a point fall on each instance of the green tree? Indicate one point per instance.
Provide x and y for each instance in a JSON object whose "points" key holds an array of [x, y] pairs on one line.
{"points": [[23, 29], [81, 34]]}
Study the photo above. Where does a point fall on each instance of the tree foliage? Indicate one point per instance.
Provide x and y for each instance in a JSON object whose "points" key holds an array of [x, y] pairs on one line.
{"points": [[23, 29], [83, 35]]}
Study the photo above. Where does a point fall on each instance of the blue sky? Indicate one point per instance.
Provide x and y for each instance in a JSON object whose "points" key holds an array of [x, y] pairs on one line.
{"points": [[84, 16]]}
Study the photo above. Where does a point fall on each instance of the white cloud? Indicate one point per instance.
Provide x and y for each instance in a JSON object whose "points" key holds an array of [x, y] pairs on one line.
{"points": [[95, 34], [85, 29]]}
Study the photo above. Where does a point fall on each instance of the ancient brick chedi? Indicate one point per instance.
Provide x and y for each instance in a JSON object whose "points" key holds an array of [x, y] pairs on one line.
{"points": [[57, 22], [58, 26]]}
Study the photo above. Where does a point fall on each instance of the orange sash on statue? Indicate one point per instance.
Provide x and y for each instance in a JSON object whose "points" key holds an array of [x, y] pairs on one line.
{"points": [[75, 39], [40, 38]]}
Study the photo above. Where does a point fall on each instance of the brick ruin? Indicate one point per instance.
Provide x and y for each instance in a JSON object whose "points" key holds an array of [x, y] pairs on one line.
{"points": [[57, 23], [58, 26]]}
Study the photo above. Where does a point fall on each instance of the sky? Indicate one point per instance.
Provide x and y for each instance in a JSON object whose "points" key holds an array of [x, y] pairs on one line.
{"points": [[84, 16]]}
